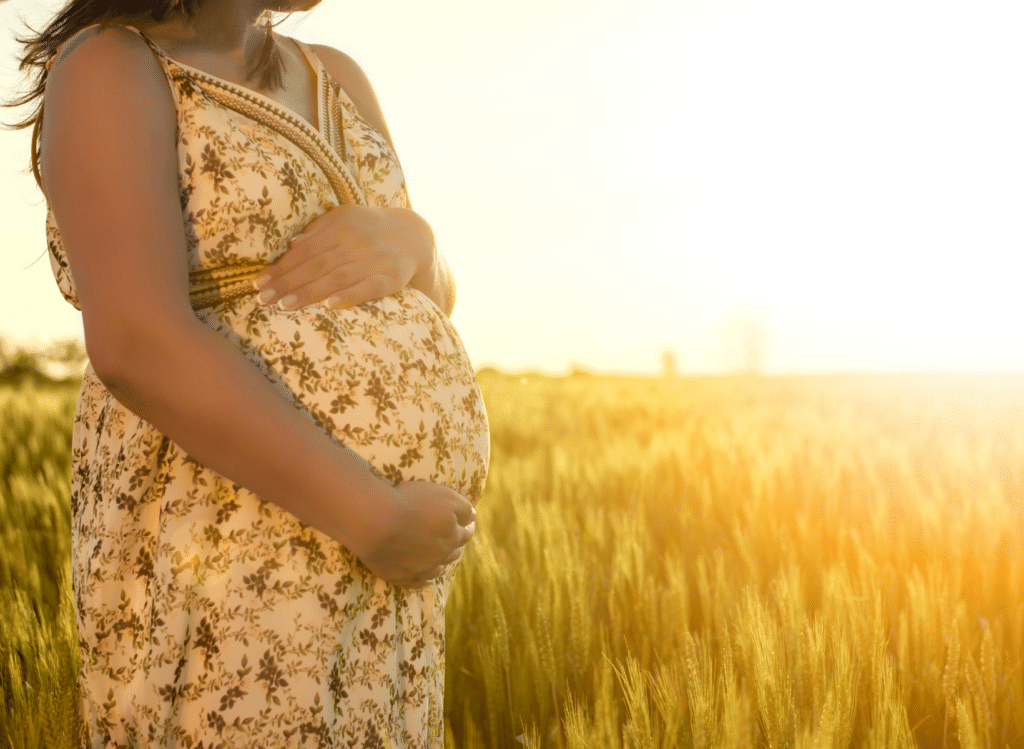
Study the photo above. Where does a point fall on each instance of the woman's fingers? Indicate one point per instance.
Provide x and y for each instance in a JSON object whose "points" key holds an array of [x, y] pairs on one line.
{"points": [[464, 511], [341, 287], [311, 281], [462, 535], [434, 525], [301, 249], [369, 289], [421, 581], [424, 579], [455, 555], [320, 269]]}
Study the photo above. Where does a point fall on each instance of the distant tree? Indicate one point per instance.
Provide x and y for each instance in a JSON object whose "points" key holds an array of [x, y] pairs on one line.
{"points": [[754, 342], [18, 364], [59, 361], [668, 364], [745, 336], [65, 358], [69, 351]]}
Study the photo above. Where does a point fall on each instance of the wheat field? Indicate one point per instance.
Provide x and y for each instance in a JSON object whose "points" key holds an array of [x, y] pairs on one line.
{"points": [[690, 562]]}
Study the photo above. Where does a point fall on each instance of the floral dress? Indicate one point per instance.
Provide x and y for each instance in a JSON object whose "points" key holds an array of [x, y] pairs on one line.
{"points": [[207, 616]]}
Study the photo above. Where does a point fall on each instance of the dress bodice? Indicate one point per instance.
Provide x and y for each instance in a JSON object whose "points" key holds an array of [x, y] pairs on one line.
{"points": [[253, 173]]}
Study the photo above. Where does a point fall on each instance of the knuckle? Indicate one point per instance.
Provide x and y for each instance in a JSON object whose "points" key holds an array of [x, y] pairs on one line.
{"points": [[288, 283], [338, 278], [389, 267], [361, 232], [296, 253], [319, 264]]}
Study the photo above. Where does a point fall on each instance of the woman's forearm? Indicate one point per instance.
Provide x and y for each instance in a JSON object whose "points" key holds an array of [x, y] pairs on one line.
{"points": [[433, 276], [437, 282], [203, 393]]}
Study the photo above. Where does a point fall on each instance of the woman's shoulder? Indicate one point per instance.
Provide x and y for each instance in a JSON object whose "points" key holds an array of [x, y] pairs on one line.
{"points": [[354, 83], [100, 42], [345, 71], [112, 64], [105, 80]]}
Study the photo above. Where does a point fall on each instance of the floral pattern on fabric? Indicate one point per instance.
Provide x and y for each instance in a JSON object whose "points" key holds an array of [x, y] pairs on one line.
{"points": [[211, 618]]}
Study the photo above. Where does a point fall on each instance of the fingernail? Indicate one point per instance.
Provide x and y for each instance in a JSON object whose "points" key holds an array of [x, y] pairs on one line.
{"points": [[267, 296], [288, 302], [262, 281]]}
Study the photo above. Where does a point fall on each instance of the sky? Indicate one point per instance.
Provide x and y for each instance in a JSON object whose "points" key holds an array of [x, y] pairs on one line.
{"points": [[840, 182]]}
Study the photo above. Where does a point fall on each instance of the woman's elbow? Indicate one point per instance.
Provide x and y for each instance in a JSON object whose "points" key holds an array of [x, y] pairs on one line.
{"points": [[118, 351]]}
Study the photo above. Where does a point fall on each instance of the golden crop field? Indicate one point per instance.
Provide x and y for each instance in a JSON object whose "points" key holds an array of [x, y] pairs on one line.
{"points": [[695, 562]]}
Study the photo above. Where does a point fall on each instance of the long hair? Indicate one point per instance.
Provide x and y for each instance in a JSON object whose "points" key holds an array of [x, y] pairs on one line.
{"points": [[39, 47]]}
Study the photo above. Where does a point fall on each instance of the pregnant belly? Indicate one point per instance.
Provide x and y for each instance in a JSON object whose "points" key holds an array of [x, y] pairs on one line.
{"points": [[389, 379]]}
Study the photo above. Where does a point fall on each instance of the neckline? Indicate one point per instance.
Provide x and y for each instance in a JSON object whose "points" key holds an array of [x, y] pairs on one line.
{"points": [[269, 103], [348, 186]]}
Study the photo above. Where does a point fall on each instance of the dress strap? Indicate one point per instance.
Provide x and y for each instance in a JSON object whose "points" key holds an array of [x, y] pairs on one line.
{"points": [[314, 60], [311, 57], [53, 57]]}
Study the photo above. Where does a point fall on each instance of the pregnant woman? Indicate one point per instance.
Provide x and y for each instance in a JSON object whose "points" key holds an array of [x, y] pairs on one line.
{"points": [[269, 499]]}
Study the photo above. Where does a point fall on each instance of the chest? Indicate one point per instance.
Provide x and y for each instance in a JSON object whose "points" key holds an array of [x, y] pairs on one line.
{"points": [[297, 93]]}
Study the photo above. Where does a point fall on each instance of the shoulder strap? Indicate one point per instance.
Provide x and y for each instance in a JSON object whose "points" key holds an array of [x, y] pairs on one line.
{"points": [[311, 57], [63, 44], [314, 60]]}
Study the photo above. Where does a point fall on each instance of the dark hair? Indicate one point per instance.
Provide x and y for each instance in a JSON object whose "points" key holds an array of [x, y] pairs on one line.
{"points": [[78, 14]]}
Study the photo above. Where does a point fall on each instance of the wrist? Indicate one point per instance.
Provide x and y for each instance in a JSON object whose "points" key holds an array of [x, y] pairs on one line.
{"points": [[418, 243], [370, 516]]}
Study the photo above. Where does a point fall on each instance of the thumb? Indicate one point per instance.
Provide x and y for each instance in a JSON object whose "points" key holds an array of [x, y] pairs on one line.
{"points": [[464, 511]]}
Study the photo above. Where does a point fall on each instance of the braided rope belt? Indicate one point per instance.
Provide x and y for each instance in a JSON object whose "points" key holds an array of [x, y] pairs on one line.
{"points": [[212, 286]]}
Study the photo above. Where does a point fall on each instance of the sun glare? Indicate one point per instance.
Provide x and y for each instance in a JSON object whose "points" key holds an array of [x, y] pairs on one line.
{"points": [[609, 182]]}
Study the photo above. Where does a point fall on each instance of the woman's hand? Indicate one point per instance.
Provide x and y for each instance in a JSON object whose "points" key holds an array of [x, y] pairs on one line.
{"points": [[416, 537], [354, 254]]}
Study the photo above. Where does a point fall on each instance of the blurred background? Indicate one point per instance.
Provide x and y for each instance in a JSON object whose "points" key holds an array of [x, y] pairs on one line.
{"points": [[783, 186]]}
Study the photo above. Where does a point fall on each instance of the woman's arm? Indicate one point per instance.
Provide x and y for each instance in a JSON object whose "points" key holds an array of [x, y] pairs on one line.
{"points": [[198, 389], [116, 203], [354, 254]]}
